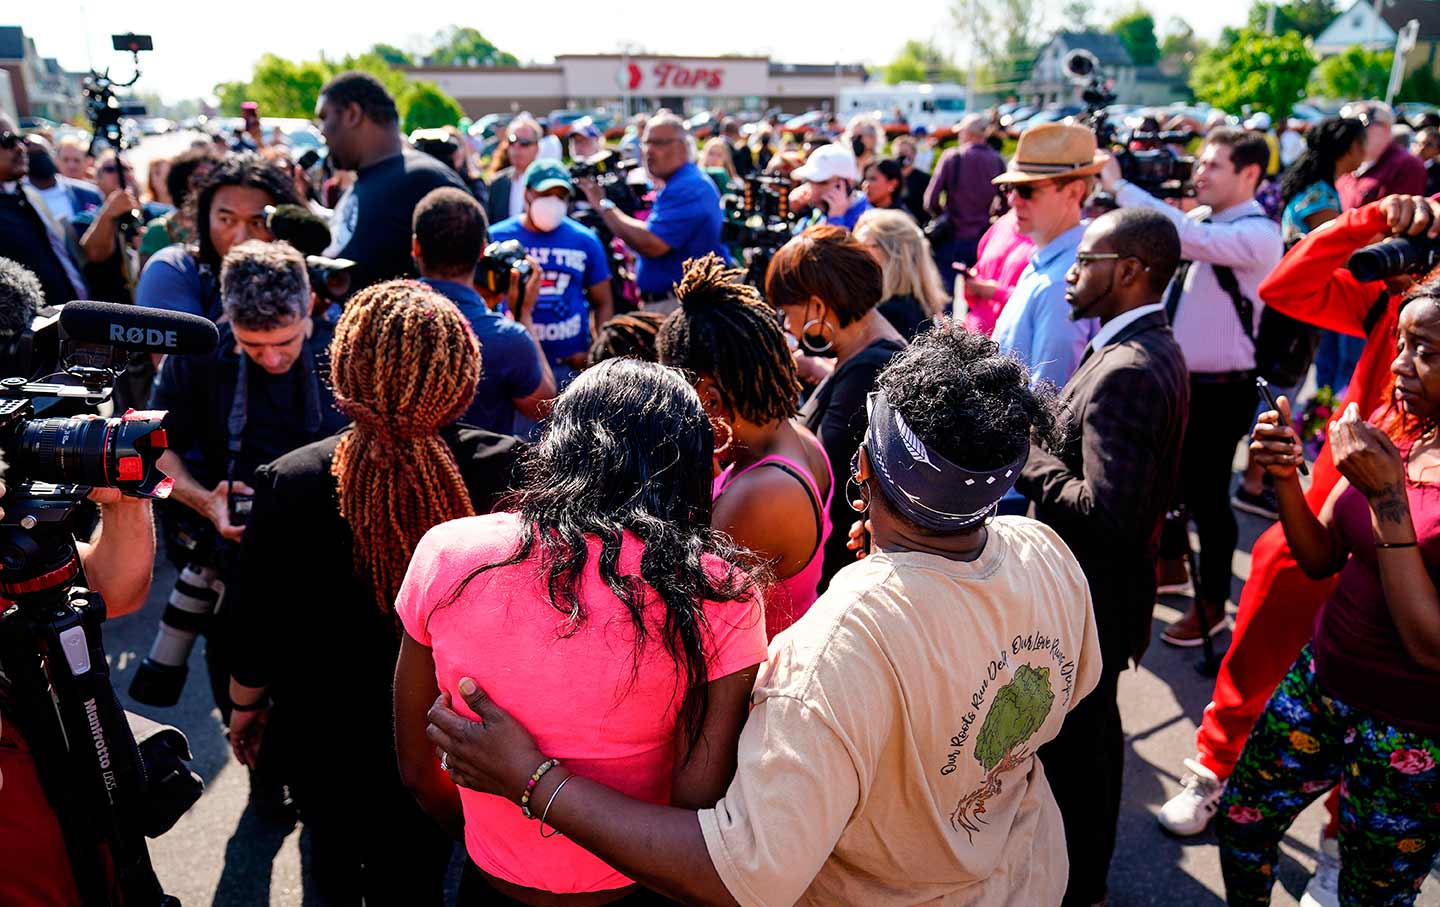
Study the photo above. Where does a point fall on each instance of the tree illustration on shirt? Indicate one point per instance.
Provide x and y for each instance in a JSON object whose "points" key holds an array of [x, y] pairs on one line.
{"points": [[1016, 713]]}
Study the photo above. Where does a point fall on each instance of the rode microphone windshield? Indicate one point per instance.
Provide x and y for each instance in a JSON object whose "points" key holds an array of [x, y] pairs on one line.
{"points": [[137, 329]]}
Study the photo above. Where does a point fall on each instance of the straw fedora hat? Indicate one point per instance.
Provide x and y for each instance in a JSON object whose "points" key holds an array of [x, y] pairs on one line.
{"points": [[1053, 150]]}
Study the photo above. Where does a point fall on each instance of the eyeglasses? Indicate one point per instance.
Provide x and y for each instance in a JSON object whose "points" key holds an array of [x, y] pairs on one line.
{"points": [[650, 143], [1085, 258], [523, 143], [9, 140]]}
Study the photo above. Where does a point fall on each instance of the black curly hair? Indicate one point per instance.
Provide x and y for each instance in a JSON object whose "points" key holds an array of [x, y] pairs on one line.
{"points": [[247, 169], [632, 334], [724, 329], [1325, 144], [628, 448], [967, 400]]}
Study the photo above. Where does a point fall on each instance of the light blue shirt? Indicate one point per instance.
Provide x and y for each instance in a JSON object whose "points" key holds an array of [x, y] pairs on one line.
{"points": [[1035, 324]]}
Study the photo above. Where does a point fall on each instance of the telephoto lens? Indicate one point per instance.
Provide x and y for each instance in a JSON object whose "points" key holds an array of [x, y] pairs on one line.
{"points": [[161, 675], [1393, 257], [102, 453]]}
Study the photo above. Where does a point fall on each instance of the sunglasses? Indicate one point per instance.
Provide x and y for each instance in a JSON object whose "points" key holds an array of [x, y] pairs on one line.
{"points": [[523, 143], [9, 140], [1026, 190]]}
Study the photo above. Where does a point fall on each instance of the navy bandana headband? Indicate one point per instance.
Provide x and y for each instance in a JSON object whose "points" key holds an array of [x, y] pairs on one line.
{"points": [[922, 484]]}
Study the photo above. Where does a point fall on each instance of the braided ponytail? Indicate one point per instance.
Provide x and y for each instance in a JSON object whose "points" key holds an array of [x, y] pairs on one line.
{"points": [[404, 363]]}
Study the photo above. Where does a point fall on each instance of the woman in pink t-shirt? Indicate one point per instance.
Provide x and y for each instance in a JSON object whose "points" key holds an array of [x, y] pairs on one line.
{"points": [[605, 611], [773, 487]]}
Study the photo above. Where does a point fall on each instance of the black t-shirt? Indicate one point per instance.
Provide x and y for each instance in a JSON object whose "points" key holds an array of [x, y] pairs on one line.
{"points": [[836, 414], [23, 239], [905, 314], [372, 222], [303, 623], [198, 392], [916, 182]]}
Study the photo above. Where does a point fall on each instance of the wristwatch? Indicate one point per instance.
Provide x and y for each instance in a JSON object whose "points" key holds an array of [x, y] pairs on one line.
{"points": [[607, 205]]}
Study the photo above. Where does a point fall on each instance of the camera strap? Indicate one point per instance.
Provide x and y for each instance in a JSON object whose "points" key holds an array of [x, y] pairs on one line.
{"points": [[239, 406], [1229, 284]]}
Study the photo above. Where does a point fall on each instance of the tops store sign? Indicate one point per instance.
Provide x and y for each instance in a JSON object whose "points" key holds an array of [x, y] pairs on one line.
{"points": [[729, 77]]}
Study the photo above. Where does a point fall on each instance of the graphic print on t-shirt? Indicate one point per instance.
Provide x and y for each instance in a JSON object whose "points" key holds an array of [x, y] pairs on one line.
{"points": [[1013, 713]]}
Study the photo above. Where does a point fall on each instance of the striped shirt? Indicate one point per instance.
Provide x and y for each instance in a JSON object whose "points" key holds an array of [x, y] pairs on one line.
{"points": [[1242, 237]]}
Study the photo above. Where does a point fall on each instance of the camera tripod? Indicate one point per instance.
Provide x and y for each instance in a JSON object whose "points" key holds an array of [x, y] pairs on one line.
{"points": [[61, 698]]}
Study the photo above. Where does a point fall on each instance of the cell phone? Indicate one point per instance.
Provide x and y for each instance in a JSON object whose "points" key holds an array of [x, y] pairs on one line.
{"points": [[1269, 395], [239, 506]]}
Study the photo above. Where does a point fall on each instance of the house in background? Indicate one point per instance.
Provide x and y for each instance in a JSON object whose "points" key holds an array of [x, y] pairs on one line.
{"points": [[1048, 82], [40, 85], [1361, 25]]}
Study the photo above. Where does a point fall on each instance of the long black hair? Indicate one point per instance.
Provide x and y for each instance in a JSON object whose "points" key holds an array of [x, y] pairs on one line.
{"points": [[245, 169], [1325, 144], [628, 447]]}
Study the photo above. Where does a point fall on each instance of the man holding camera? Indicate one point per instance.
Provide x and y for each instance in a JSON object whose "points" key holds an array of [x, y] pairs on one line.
{"points": [[117, 562], [371, 224], [684, 222], [1229, 246], [449, 236], [575, 297], [261, 394]]}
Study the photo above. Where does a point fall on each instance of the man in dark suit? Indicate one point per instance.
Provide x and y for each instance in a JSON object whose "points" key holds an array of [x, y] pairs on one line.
{"points": [[1105, 493]]}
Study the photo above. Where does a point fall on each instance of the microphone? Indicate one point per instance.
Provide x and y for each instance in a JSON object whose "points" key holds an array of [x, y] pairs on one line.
{"points": [[296, 225], [137, 329]]}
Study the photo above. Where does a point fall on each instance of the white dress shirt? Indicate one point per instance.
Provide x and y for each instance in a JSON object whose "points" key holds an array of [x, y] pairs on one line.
{"points": [[1244, 238], [1112, 328]]}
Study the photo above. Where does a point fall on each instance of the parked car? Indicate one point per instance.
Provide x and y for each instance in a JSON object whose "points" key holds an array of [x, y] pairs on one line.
{"points": [[805, 122], [298, 133], [36, 124]]}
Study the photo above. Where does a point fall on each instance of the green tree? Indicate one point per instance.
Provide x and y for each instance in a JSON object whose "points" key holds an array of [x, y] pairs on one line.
{"points": [[230, 96], [1354, 73], [1180, 47], [1267, 72], [922, 61], [1136, 30], [1308, 17], [457, 46], [393, 55], [287, 88], [1001, 35], [424, 106], [1016, 713], [1076, 14], [1420, 85]]}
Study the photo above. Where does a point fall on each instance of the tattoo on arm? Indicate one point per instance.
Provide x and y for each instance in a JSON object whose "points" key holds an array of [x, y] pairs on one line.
{"points": [[1390, 505]]}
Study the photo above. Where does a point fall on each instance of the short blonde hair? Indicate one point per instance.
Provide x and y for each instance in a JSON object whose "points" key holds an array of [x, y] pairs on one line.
{"points": [[726, 160]]}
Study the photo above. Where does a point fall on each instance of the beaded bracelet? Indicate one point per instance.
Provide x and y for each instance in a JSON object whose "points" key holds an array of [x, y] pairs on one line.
{"points": [[530, 787]]}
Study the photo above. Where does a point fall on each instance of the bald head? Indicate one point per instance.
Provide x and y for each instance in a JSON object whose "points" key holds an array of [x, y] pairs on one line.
{"points": [[1144, 234], [971, 127]]}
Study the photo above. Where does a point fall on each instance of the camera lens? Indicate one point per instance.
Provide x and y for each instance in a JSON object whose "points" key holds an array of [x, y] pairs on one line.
{"points": [[97, 452], [1397, 255]]}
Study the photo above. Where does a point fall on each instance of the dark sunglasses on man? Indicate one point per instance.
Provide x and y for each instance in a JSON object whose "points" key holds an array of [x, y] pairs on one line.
{"points": [[523, 143]]}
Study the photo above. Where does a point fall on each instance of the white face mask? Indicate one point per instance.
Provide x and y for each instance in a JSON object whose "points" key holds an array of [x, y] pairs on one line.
{"points": [[547, 211]]}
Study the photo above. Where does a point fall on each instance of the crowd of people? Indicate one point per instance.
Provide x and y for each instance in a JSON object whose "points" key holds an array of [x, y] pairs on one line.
{"points": [[849, 556]]}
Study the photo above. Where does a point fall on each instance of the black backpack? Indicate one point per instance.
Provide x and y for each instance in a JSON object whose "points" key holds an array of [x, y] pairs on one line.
{"points": [[1284, 346]]}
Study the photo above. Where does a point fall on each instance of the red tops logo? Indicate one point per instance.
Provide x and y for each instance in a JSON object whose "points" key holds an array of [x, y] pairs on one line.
{"points": [[671, 76]]}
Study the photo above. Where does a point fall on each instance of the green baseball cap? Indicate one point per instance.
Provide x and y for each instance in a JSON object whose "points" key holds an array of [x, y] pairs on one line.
{"points": [[547, 174]]}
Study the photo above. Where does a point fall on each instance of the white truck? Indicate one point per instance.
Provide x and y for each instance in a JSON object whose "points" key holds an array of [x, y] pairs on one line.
{"points": [[934, 106]]}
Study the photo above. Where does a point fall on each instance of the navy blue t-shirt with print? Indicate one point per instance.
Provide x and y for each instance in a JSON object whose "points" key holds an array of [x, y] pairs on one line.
{"points": [[572, 259]]}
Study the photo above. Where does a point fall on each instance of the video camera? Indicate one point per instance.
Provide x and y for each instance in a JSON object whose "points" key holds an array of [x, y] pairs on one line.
{"points": [[331, 278], [105, 112], [758, 220], [500, 258], [106, 793], [1159, 171]]}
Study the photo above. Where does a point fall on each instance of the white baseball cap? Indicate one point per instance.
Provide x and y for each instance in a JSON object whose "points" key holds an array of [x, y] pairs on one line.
{"points": [[826, 163], [1260, 121]]}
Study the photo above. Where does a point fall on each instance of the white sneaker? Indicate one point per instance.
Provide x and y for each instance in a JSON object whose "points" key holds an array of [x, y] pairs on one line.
{"points": [[1324, 887], [1188, 812]]}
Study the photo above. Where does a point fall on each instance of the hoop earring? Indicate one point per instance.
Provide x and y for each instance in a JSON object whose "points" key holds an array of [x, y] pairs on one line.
{"points": [[859, 495], [805, 337], [715, 426]]}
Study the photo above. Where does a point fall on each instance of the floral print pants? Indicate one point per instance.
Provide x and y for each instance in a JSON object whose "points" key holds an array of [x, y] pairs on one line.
{"points": [[1306, 743]]}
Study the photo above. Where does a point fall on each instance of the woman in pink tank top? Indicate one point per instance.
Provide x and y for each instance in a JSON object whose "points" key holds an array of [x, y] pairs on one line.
{"points": [[773, 484]]}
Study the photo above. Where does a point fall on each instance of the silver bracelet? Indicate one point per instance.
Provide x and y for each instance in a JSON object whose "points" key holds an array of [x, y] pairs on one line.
{"points": [[546, 812]]}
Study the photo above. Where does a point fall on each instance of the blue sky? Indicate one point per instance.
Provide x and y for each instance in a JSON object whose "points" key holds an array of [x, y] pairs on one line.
{"points": [[196, 49]]}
